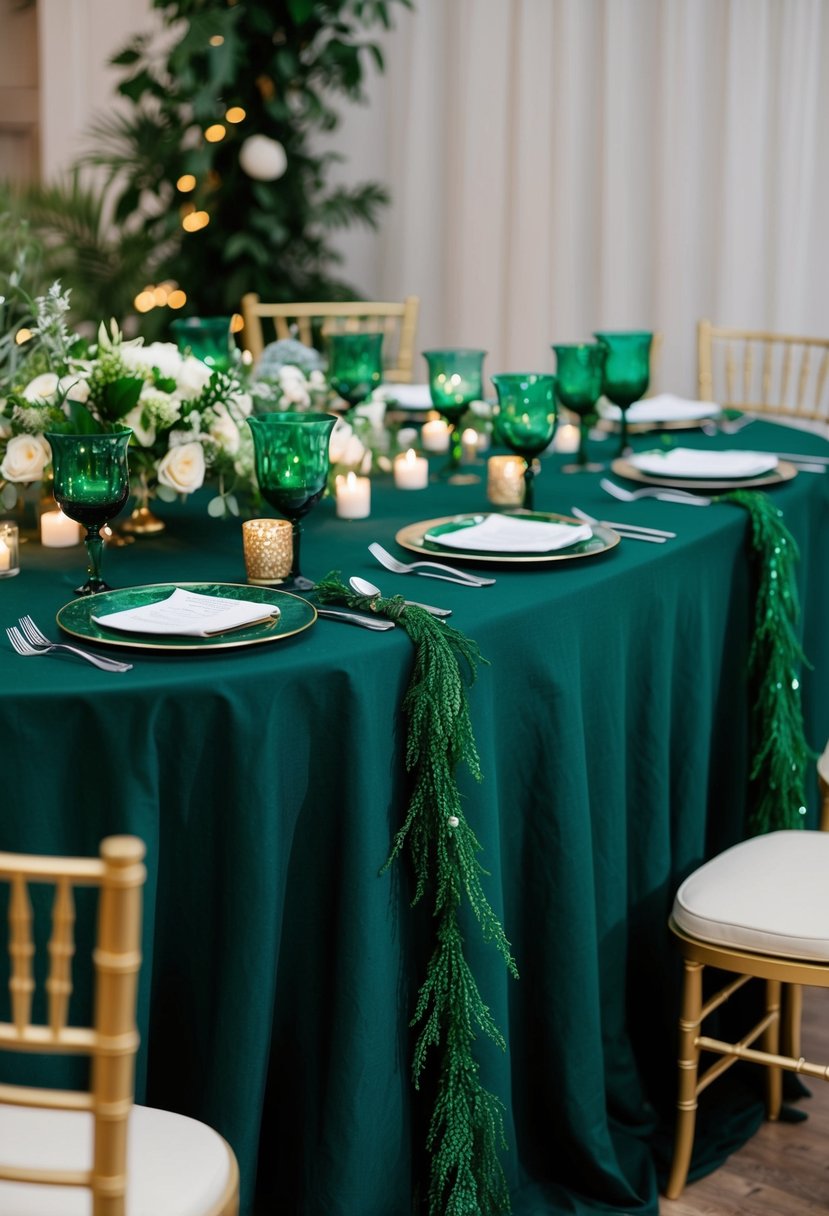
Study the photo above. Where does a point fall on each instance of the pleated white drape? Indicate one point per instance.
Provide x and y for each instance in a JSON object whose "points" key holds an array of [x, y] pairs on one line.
{"points": [[564, 165]]}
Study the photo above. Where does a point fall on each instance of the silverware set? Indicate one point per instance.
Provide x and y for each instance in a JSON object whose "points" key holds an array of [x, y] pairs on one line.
{"points": [[428, 569], [27, 640], [655, 536]]}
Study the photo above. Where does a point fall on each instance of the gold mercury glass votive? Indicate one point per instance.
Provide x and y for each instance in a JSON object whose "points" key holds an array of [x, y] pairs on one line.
{"points": [[268, 546], [505, 480], [9, 561]]}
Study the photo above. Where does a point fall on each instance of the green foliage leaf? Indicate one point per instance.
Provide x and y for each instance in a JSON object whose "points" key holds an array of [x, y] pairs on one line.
{"points": [[301, 10], [120, 396], [8, 496], [216, 507]]}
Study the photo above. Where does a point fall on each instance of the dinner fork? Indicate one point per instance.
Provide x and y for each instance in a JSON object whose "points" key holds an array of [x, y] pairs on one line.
{"points": [[27, 645], [666, 495], [428, 569]]}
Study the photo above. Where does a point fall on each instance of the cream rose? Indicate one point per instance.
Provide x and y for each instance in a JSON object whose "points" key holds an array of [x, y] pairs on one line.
{"points": [[26, 458], [182, 468], [75, 388], [145, 435], [224, 431], [42, 387]]}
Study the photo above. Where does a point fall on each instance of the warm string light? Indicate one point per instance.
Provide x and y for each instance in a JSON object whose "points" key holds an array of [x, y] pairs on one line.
{"points": [[22, 335], [235, 114], [164, 295], [215, 133], [195, 221], [237, 323], [186, 183]]}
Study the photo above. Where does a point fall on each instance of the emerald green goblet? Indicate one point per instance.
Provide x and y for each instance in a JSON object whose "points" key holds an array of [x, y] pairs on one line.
{"points": [[355, 365], [455, 381], [91, 485], [579, 377], [208, 338], [626, 372], [526, 419], [291, 456]]}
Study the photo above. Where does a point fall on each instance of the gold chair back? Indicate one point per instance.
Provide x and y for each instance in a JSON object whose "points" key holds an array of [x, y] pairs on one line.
{"points": [[764, 373], [111, 1042], [312, 323]]}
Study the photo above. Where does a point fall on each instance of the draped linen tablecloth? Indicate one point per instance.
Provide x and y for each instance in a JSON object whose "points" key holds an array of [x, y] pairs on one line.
{"points": [[279, 969]]}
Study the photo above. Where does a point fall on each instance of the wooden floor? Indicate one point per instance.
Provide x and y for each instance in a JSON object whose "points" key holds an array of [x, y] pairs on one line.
{"points": [[784, 1169]]}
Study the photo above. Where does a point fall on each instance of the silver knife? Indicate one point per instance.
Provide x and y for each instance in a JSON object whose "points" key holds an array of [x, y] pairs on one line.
{"points": [[441, 612], [355, 618]]}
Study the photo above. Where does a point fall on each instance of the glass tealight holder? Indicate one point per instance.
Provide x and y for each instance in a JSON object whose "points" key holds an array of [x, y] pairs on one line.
{"points": [[9, 550], [269, 550], [505, 481], [208, 338]]}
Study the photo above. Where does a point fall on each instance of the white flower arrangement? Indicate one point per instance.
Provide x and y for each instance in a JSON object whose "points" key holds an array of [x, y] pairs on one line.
{"points": [[188, 422]]}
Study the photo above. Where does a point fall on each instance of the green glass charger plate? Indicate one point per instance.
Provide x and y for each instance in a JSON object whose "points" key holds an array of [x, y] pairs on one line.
{"points": [[295, 615], [413, 537], [777, 477]]}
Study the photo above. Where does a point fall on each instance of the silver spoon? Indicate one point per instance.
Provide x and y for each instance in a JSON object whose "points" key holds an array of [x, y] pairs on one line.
{"points": [[363, 587]]}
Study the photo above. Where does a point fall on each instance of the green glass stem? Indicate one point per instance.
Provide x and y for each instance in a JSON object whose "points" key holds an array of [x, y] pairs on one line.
{"points": [[455, 448], [623, 431], [529, 486], [94, 553], [584, 428]]}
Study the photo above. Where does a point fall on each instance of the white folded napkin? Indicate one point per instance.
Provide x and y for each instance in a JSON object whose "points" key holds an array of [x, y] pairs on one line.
{"points": [[407, 396], [691, 462], [512, 534], [665, 407], [190, 615]]}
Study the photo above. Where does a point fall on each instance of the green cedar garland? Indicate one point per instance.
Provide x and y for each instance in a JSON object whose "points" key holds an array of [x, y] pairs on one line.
{"points": [[779, 750], [466, 1126]]}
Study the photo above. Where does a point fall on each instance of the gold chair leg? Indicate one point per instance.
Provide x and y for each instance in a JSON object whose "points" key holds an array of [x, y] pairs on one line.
{"points": [[688, 1064], [771, 1044], [792, 1018]]}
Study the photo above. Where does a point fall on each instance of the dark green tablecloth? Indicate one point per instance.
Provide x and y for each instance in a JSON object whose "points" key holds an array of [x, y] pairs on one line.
{"points": [[280, 969]]}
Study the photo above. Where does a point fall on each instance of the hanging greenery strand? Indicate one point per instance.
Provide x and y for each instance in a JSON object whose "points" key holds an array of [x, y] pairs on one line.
{"points": [[466, 1124], [779, 751]]}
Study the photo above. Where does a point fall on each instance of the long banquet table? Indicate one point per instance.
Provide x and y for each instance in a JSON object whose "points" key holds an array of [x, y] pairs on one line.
{"points": [[280, 968]]}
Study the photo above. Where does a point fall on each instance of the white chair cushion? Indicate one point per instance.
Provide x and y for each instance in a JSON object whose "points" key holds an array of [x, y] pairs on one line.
{"points": [[175, 1166], [769, 895]]}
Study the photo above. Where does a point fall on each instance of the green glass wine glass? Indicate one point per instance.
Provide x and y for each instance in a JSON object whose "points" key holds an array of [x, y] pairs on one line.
{"points": [[579, 379], [626, 372], [291, 456], [355, 365], [91, 485], [208, 338], [526, 419], [455, 381]]}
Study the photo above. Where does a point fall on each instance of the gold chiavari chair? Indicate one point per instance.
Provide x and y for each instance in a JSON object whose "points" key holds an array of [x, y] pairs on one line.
{"points": [[759, 910], [764, 373], [58, 1147], [312, 323], [823, 782]]}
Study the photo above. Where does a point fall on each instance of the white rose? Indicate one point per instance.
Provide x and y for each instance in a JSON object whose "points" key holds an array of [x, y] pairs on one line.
{"points": [[344, 447], [182, 468], [224, 432], [26, 458], [192, 376], [145, 435], [42, 387], [316, 379], [290, 374], [75, 388], [296, 394], [241, 403]]}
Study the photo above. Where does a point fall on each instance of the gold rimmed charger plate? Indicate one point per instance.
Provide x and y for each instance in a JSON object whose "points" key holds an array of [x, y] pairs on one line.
{"points": [[613, 426], [295, 615], [413, 537], [783, 473]]}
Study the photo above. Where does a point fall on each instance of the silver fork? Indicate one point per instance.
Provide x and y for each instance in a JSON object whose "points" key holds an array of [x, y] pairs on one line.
{"points": [[427, 569], [667, 495], [34, 643]]}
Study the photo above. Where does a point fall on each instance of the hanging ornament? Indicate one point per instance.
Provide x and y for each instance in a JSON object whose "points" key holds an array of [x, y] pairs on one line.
{"points": [[263, 158]]}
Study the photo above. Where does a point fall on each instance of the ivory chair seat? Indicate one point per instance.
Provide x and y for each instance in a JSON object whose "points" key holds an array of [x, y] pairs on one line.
{"points": [[176, 1166], [759, 910]]}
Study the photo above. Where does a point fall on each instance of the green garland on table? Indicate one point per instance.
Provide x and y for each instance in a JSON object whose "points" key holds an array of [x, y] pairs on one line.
{"points": [[466, 1125], [779, 750]]}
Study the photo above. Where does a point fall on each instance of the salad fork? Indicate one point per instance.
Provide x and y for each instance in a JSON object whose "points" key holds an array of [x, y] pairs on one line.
{"points": [[666, 495], [28, 640], [427, 569]]}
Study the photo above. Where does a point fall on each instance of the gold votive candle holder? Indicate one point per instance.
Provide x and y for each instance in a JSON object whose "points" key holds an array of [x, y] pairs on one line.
{"points": [[505, 480], [9, 550], [269, 549]]}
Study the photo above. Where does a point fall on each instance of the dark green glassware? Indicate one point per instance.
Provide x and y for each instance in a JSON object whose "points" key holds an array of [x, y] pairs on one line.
{"points": [[626, 372], [579, 379], [91, 485], [526, 419], [208, 338], [291, 455], [355, 365], [455, 381]]}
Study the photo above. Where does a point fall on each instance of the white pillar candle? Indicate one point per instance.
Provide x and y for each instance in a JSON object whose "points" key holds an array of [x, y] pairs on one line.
{"points": [[5, 557], [58, 531], [353, 496], [434, 436], [411, 472], [567, 438], [9, 562], [469, 444]]}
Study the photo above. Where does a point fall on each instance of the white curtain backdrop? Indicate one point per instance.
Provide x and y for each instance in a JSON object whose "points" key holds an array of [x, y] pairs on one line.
{"points": [[559, 166]]}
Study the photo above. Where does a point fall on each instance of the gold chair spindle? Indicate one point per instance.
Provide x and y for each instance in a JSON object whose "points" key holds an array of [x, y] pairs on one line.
{"points": [[785, 376], [61, 953], [730, 371], [748, 368], [803, 380], [21, 949]]}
